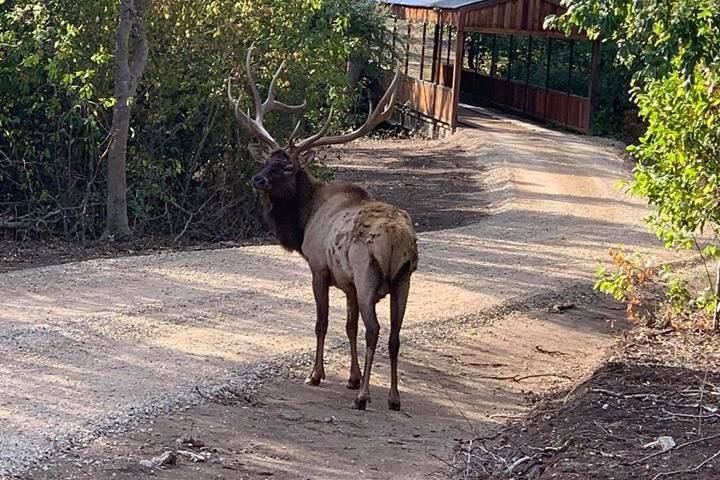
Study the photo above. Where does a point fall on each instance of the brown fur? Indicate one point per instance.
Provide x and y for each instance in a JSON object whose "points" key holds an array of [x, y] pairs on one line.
{"points": [[364, 247]]}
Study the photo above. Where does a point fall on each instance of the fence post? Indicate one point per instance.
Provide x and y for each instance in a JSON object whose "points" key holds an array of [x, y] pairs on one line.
{"points": [[569, 81], [594, 79], [422, 52]]}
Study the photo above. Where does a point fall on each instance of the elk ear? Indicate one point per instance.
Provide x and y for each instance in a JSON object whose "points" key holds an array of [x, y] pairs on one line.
{"points": [[258, 152]]}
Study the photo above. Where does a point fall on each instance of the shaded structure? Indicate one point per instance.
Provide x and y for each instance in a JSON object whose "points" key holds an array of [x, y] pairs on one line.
{"points": [[495, 53]]}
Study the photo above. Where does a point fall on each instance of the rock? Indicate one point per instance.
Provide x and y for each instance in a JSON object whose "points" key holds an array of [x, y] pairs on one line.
{"points": [[561, 307], [664, 443], [166, 458], [192, 456]]}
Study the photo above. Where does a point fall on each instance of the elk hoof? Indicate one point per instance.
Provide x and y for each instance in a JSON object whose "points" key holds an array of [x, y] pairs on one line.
{"points": [[312, 381], [354, 383], [394, 404], [360, 404]]}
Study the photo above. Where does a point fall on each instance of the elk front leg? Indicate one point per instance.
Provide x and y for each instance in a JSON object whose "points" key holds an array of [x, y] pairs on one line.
{"points": [[351, 327], [321, 287]]}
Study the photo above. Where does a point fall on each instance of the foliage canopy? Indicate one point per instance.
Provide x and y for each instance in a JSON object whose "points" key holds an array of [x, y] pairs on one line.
{"points": [[187, 161], [673, 52]]}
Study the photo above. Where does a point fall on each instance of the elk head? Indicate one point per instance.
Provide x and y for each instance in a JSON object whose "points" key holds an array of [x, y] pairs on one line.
{"points": [[281, 164]]}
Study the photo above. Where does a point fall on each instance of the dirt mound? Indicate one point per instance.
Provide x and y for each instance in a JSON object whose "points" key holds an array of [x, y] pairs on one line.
{"points": [[652, 412]]}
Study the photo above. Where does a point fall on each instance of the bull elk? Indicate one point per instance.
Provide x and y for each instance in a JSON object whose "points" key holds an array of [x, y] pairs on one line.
{"points": [[364, 247]]}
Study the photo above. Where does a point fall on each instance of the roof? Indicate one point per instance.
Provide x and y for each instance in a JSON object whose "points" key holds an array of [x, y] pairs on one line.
{"points": [[445, 4]]}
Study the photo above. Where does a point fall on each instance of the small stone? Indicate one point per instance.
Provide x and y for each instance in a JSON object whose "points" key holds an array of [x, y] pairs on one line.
{"points": [[663, 443]]}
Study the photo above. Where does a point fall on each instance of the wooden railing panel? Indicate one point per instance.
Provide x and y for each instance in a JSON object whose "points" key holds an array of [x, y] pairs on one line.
{"points": [[549, 105], [431, 100]]}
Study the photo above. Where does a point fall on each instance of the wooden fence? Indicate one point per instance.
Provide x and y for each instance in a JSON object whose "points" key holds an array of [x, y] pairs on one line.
{"points": [[429, 99], [571, 111]]}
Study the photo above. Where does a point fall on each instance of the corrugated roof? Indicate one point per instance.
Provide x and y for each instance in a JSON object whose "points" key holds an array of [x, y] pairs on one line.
{"points": [[446, 4]]}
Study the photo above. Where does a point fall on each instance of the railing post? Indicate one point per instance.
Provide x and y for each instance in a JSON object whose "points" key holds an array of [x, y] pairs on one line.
{"points": [[457, 70], [527, 72], [493, 61], [422, 51], [547, 76], [436, 52], [569, 81], [594, 79], [407, 47], [394, 35]]}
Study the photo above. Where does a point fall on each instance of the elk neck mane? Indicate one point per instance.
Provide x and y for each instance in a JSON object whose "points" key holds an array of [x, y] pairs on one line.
{"points": [[286, 217]]}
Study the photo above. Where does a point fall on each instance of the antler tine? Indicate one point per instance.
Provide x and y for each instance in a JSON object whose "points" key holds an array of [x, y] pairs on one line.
{"points": [[379, 114], [271, 88], [253, 86], [295, 131], [284, 107], [254, 126], [248, 123], [272, 104], [308, 143]]}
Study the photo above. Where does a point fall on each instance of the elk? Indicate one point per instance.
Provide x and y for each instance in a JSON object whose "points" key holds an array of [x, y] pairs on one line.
{"points": [[364, 247]]}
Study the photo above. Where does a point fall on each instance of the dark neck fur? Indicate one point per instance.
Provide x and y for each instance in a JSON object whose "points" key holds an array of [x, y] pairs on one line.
{"points": [[287, 217]]}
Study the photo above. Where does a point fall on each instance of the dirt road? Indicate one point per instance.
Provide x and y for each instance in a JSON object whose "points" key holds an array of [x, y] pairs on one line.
{"points": [[89, 350]]}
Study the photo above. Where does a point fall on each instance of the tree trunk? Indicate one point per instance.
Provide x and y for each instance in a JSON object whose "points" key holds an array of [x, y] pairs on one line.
{"points": [[127, 75], [117, 226], [353, 72]]}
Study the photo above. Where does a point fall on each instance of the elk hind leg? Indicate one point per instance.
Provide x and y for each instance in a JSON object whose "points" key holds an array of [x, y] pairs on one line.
{"points": [[398, 300], [351, 327], [367, 293]]}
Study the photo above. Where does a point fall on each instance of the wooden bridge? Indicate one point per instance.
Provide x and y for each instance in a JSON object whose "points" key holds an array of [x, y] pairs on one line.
{"points": [[494, 53]]}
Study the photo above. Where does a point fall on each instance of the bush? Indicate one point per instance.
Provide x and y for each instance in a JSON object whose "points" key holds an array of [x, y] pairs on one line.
{"points": [[655, 295], [188, 166]]}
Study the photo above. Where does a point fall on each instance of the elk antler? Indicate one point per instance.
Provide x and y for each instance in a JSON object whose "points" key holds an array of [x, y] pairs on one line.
{"points": [[255, 126], [377, 115]]}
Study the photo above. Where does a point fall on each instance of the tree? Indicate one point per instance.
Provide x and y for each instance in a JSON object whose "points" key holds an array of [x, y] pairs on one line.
{"points": [[187, 166], [128, 70], [673, 52]]}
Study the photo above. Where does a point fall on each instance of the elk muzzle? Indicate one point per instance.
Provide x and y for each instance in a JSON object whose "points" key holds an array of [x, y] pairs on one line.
{"points": [[259, 182]]}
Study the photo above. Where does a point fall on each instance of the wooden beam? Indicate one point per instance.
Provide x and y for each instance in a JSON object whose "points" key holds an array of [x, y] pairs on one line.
{"points": [[547, 75], [438, 51], [527, 73], [422, 52], [569, 79], [447, 61], [434, 63], [394, 35], [457, 70], [493, 61], [511, 52], [407, 47], [594, 80], [525, 33]]}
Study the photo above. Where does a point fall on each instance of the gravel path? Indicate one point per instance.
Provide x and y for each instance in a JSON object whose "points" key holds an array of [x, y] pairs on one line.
{"points": [[92, 348]]}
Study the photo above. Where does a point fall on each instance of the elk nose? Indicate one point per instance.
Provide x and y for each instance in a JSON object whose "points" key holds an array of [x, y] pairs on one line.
{"points": [[259, 182]]}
